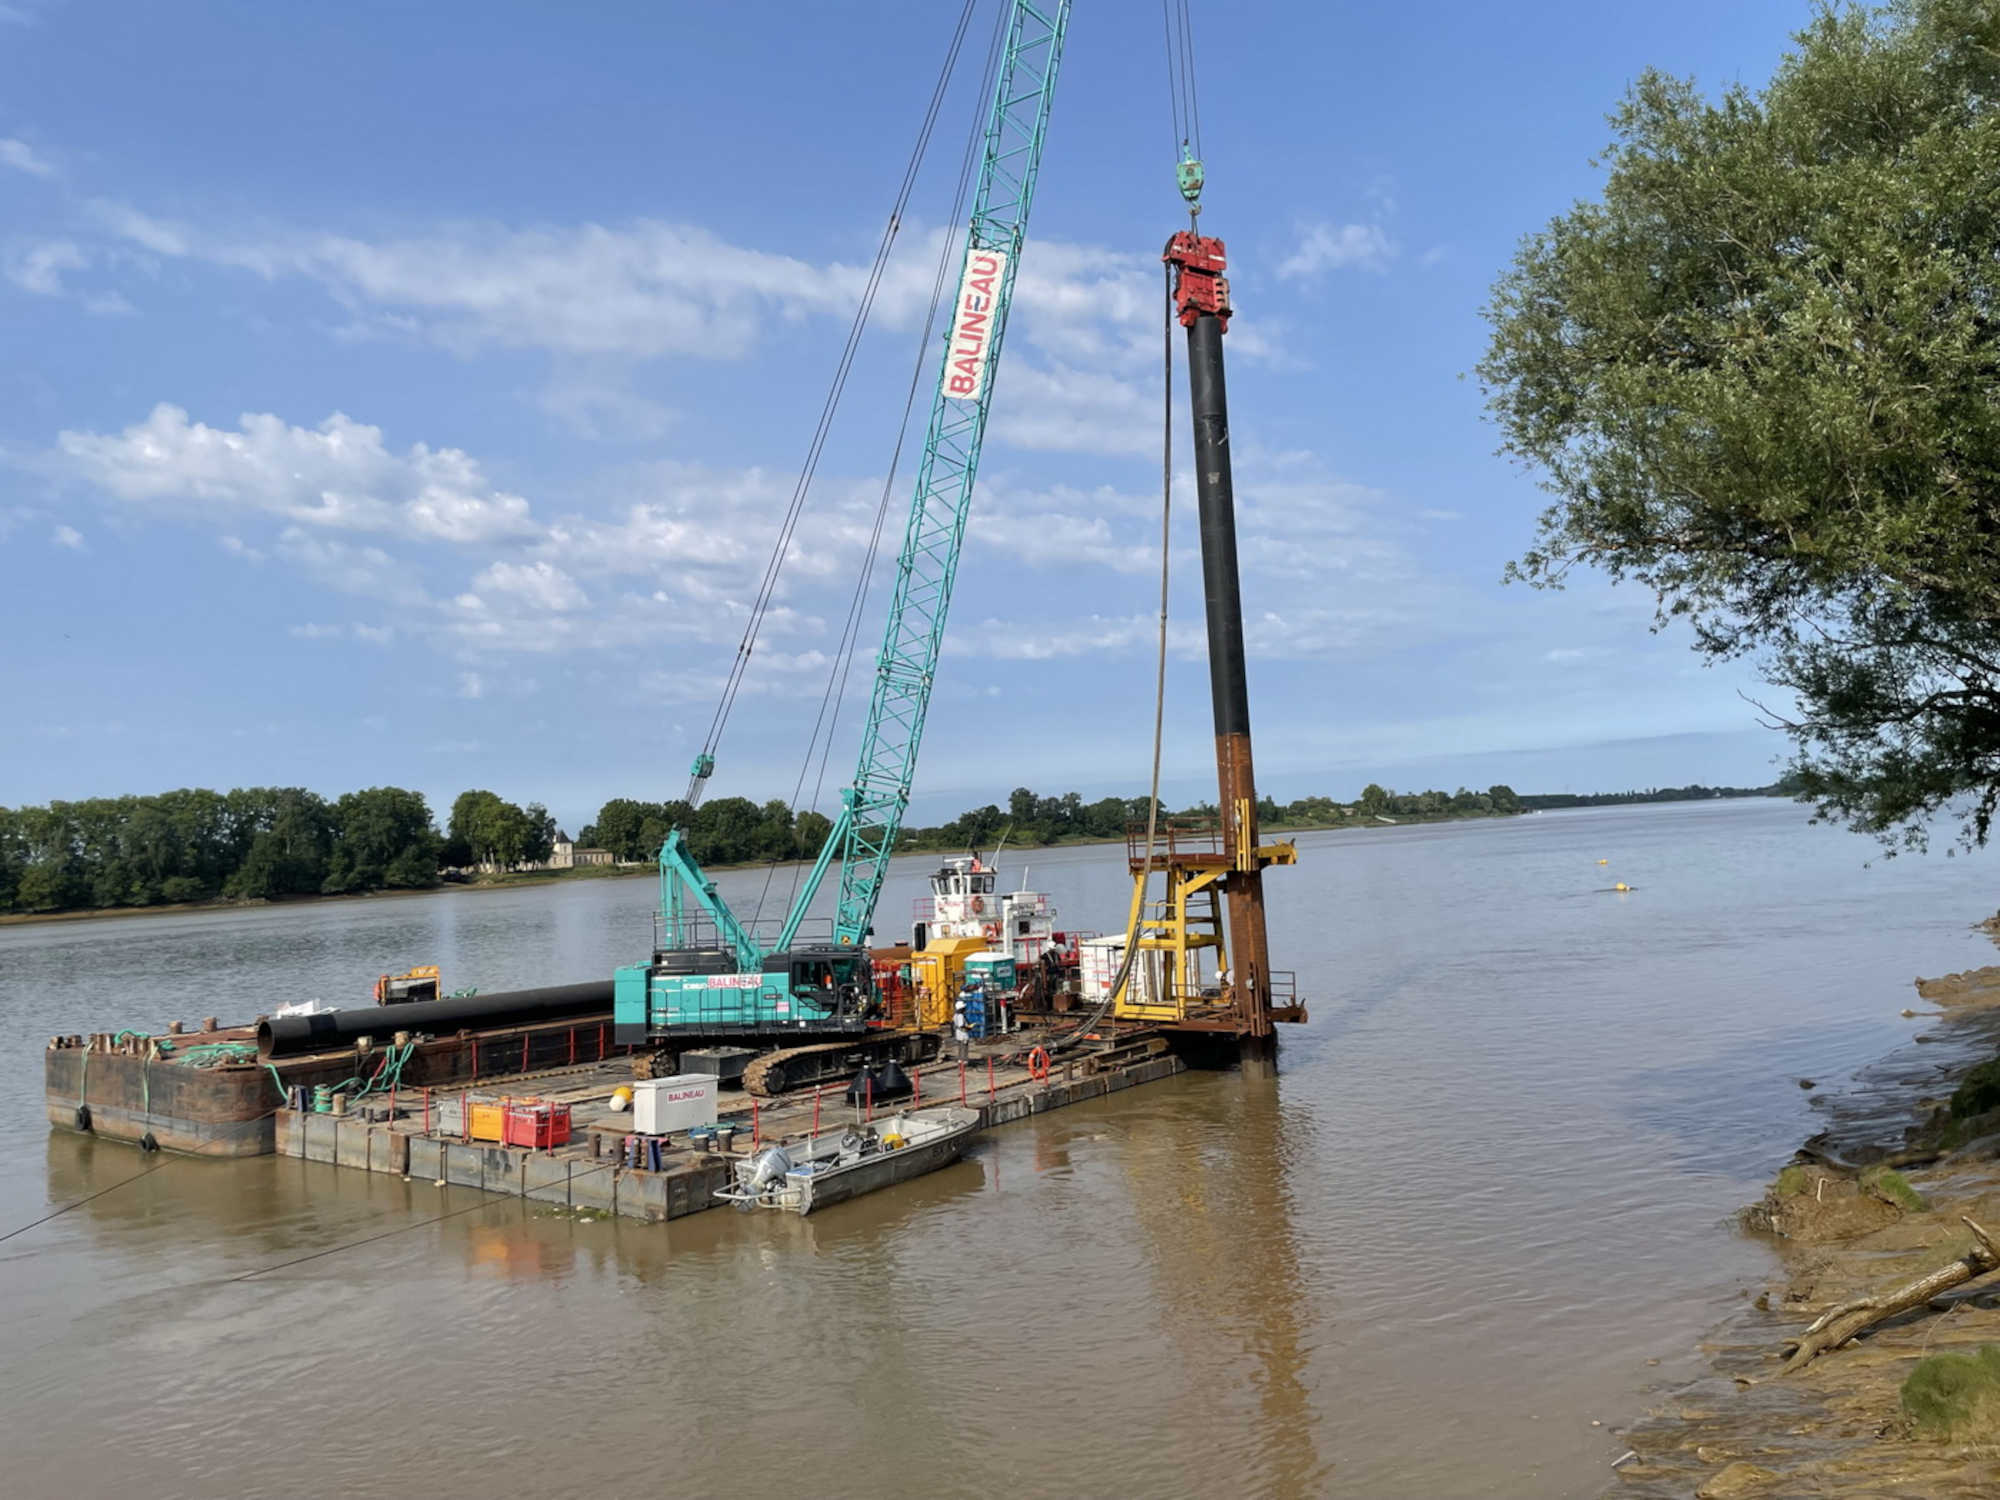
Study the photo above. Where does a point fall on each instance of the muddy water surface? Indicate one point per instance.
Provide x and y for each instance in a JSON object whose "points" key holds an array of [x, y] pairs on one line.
{"points": [[1491, 1182]]}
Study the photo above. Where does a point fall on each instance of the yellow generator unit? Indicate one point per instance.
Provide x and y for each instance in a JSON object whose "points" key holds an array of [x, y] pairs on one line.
{"points": [[939, 970]]}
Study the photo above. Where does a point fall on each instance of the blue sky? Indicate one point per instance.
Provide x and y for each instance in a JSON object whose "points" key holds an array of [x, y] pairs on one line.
{"points": [[409, 394]]}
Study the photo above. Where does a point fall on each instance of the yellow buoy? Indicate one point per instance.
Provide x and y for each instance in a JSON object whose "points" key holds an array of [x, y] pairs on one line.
{"points": [[1604, 861], [1621, 886]]}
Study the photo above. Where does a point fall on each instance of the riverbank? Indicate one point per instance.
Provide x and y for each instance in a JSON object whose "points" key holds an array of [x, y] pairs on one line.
{"points": [[1876, 1200]]}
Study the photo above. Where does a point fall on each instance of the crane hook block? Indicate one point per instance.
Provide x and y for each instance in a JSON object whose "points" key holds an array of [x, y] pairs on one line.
{"points": [[703, 767], [1191, 178]]}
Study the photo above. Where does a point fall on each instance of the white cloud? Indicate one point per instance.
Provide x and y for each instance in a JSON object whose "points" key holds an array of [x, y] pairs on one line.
{"points": [[235, 546], [39, 269], [593, 409], [375, 635], [19, 154], [1065, 410], [316, 632], [67, 536], [471, 685], [540, 585], [1339, 247], [339, 476], [352, 569]]}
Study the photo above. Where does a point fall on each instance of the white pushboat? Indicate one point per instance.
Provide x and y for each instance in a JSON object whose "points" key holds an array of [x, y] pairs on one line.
{"points": [[812, 1173]]}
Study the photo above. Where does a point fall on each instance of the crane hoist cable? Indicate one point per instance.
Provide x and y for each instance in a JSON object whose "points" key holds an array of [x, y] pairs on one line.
{"points": [[704, 763], [842, 665], [1124, 975], [1188, 172]]}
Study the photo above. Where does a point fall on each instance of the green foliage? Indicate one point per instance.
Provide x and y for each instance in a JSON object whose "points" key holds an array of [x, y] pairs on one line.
{"points": [[1955, 1397], [1892, 1186], [252, 843], [485, 830], [1791, 1182], [1977, 1092], [1758, 377]]}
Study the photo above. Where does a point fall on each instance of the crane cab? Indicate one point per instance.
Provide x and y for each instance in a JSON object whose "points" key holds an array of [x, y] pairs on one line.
{"points": [[967, 913]]}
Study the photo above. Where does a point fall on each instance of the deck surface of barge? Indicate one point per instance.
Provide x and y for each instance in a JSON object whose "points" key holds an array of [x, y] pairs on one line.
{"points": [[589, 1174]]}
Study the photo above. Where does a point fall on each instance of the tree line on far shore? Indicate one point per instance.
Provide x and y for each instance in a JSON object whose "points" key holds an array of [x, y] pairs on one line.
{"points": [[252, 843], [262, 843]]}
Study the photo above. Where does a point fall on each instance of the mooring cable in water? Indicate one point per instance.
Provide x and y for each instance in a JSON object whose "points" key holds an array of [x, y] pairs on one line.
{"points": [[92, 1198], [489, 1200]]}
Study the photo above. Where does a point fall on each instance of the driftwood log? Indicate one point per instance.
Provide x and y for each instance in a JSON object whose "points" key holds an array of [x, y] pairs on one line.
{"points": [[1837, 1325]]}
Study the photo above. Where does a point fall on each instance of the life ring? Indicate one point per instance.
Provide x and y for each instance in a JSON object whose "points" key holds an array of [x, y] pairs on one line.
{"points": [[379, 985], [978, 905], [992, 932], [1038, 1065]]}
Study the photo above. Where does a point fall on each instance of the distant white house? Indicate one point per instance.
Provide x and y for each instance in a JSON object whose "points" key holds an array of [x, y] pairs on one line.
{"points": [[567, 856]]}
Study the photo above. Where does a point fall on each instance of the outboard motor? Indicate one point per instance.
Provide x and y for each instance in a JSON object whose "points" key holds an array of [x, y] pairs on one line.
{"points": [[768, 1168]]}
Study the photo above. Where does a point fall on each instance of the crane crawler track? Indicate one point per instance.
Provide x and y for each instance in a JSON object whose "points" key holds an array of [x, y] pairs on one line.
{"points": [[791, 1068]]}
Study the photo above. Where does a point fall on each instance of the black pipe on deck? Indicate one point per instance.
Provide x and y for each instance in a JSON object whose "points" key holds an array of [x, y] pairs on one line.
{"points": [[285, 1035]]}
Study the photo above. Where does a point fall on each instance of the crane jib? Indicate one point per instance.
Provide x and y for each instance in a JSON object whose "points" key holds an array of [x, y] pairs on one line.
{"points": [[972, 323]]}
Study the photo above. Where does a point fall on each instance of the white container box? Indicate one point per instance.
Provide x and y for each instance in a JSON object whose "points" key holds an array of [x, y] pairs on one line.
{"points": [[661, 1106]]}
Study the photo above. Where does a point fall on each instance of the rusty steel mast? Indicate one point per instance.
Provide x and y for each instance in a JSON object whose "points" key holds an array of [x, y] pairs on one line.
{"points": [[1201, 303]]}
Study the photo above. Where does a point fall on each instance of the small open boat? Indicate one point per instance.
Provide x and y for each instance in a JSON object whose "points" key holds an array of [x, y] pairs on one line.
{"points": [[804, 1175]]}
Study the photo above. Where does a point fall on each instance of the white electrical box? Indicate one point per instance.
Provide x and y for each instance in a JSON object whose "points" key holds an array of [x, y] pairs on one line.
{"points": [[660, 1106]]}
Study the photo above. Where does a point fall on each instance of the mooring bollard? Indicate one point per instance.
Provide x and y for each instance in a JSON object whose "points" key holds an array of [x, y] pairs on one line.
{"points": [[989, 1080]]}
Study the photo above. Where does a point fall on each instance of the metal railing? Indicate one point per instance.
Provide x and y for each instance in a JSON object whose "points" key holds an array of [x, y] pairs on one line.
{"points": [[699, 930], [1176, 838]]}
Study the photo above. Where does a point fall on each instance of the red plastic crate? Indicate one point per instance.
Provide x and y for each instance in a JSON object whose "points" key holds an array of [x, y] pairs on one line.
{"points": [[538, 1126]]}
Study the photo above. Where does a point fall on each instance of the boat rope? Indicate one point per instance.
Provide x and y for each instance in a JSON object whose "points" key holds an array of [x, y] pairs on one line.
{"points": [[90, 1198], [835, 692], [781, 549], [486, 1201]]}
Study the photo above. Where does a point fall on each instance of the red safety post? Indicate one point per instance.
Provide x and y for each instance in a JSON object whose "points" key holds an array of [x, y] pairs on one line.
{"points": [[475, 1059], [961, 1082], [755, 1124], [989, 1080], [600, 1041], [464, 1115], [916, 1087], [524, 1052], [868, 1093], [817, 1091], [427, 1111], [572, 1046]]}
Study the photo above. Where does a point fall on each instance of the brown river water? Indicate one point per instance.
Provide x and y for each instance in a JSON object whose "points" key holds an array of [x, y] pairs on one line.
{"points": [[1491, 1181]]}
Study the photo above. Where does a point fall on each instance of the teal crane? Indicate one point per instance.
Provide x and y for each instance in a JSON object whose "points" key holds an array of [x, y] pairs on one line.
{"points": [[731, 983]]}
